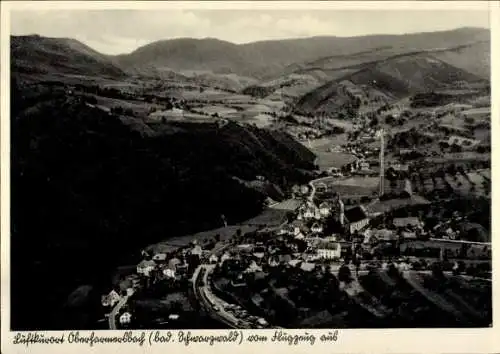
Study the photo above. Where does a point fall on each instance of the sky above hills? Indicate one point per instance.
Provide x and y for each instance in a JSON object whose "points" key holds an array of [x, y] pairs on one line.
{"points": [[122, 31]]}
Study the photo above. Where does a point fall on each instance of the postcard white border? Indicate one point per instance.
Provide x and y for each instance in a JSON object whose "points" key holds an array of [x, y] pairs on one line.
{"points": [[351, 341]]}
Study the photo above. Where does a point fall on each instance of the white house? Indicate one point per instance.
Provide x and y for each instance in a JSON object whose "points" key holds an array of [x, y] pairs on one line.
{"points": [[110, 299], [174, 113], [316, 228], [213, 259], [325, 209], [299, 236], [273, 261], [409, 234], [398, 166], [308, 213], [172, 263], [146, 267], [258, 255], [331, 238], [403, 266], [329, 250], [125, 318], [364, 165], [253, 267], [291, 230], [307, 266], [197, 251], [225, 257], [169, 273]]}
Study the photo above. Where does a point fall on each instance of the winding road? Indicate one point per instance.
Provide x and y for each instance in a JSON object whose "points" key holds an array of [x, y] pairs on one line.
{"points": [[115, 311]]}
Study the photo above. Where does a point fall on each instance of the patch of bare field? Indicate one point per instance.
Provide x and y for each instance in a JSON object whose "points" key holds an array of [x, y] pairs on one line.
{"points": [[323, 144], [137, 106], [270, 217], [327, 160]]}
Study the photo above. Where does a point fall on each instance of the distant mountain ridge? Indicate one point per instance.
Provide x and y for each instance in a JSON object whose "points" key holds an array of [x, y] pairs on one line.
{"points": [[377, 83], [263, 59], [267, 58]]}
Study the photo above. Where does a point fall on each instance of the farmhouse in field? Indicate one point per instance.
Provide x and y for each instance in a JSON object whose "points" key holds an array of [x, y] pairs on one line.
{"points": [[170, 114]]}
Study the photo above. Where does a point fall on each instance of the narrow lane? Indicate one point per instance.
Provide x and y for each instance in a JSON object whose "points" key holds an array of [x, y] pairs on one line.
{"points": [[115, 311]]}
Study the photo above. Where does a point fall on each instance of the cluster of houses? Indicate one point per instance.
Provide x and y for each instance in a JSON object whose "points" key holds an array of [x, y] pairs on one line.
{"points": [[111, 299], [256, 258], [164, 266], [152, 269], [310, 223]]}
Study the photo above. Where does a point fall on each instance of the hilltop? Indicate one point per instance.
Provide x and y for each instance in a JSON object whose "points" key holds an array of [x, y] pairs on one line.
{"points": [[302, 64], [40, 55], [378, 83], [93, 188]]}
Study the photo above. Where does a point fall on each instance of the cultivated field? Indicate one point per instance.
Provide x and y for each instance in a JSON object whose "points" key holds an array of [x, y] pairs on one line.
{"points": [[139, 107], [328, 160]]}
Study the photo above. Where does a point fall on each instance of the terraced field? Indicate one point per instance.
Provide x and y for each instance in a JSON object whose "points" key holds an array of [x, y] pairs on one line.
{"points": [[413, 301], [471, 183]]}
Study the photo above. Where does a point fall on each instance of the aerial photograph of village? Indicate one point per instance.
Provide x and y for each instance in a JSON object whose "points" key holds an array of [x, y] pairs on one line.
{"points": [[250, 169]]}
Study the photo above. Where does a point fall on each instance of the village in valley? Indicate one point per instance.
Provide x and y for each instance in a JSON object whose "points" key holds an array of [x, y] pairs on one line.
{"points": [[214, 183], [359, 245]]}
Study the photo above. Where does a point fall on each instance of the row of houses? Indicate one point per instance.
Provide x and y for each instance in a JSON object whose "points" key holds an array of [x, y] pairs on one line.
{"points": [[352, 219], [170, 267]]}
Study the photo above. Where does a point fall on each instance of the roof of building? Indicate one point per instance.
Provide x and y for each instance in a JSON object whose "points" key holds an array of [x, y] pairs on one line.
{"points": [[383, 234], [160, 257], [325, 204], [146, 263], [307, 266], [174, 261], [316, 226], [197, 250], [328, 246], [402, 222], [355, 214], [285, 258]]}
